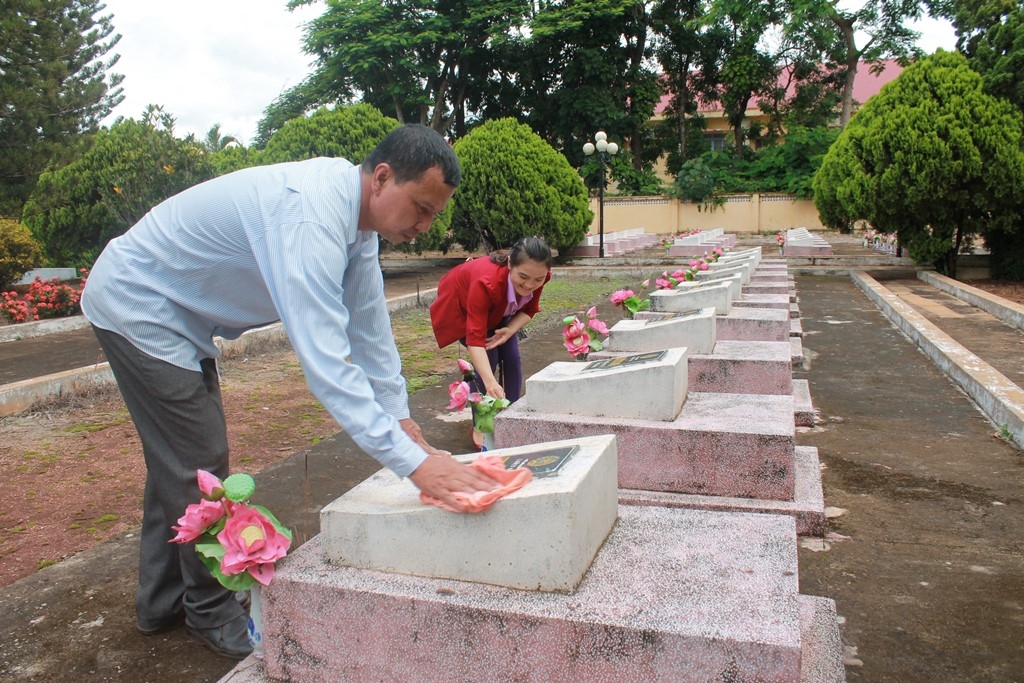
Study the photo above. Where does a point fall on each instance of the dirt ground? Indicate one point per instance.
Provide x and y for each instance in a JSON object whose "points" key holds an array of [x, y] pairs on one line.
{"points": [[74, 472]]}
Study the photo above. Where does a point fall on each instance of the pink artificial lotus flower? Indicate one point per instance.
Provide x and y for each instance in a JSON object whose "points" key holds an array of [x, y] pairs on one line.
{"points": [[679, 274], [577, 340], [646, 283], [694, 264], [459, 393], [663, 283], [252, 543], [598, 326], [618, 297], [197, 519], [465, 367], [210, 486], [703, 266]]}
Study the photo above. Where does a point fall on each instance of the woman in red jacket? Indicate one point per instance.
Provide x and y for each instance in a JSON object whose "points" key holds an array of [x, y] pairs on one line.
{"points": [[484, 303]]}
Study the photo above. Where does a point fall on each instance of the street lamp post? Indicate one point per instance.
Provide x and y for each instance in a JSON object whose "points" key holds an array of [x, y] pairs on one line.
{"points": [[605, 150]]}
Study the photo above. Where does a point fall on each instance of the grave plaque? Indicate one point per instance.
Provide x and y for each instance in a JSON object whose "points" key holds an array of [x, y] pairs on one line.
{"points": [[624, 361], [544, 463]]}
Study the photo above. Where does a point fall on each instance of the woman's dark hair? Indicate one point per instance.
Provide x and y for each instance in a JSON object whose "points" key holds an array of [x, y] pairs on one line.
{"points": [[532, 248], [412, 149]]}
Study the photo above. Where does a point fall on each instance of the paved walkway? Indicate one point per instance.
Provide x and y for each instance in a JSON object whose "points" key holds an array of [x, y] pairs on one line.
{"points": [[924, 557]]}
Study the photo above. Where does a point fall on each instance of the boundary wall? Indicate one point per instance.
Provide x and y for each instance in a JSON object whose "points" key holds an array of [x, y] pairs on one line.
{"points": [[741, 213]]}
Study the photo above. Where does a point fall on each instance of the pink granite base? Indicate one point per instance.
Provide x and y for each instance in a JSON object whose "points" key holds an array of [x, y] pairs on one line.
{"points": [[804, 414], [674, 595], [772, 275], [821, 659], [747, 323], [807, 507], [796, 346], [742, 367], [767, 288], [751, 300], [794, 250], [737, 445]]}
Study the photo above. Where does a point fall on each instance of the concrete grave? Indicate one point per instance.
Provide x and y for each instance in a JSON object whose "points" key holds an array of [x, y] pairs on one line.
{"points": [[719, 273], [746, 323], [658, 331], [802, 242], [743, 367], [647, 385], [542, 537], [719, 444], [781, 301], [715, 294], [673, 595], [735, 281]]}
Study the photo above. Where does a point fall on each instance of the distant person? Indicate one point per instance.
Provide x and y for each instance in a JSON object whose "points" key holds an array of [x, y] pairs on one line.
{"points": [[484, 302], [295, 242]]}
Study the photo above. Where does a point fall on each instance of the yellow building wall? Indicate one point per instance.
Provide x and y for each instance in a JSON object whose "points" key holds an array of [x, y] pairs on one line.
{"points": [[757, 213]]}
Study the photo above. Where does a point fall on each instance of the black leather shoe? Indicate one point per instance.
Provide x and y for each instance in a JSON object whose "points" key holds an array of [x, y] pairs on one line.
{"points": [[230, 640], [169, 624]]}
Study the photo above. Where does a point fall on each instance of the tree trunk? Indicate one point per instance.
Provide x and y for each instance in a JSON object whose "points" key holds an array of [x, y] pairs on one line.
{"points": [[852, 60]]}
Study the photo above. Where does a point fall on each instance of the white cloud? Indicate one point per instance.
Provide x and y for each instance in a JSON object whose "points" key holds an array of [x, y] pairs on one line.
{"points": [[208, 62]]}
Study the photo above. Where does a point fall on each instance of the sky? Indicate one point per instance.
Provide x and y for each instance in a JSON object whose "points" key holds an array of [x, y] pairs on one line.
{"points": [[223, 61]]}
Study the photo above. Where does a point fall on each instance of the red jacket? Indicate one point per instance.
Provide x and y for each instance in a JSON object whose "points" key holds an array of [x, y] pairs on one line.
{"points": [[471, 301]]}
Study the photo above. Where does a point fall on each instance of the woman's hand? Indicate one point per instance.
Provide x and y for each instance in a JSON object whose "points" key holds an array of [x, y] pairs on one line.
{"points": [[500, 336], [496, 391]]}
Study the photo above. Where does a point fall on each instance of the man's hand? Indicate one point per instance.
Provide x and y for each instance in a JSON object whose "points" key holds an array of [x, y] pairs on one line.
{"points": [[416, 434], [442, 477]]}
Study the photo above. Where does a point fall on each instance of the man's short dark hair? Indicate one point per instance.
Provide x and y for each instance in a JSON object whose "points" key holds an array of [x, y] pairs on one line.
{"points": [[412, 149]]}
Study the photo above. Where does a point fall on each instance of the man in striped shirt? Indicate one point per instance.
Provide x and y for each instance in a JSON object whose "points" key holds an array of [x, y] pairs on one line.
{"points": [[295, 242]]}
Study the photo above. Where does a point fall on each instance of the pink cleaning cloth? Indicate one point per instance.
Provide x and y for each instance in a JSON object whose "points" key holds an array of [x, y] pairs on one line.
{"points": [[506, 482]]}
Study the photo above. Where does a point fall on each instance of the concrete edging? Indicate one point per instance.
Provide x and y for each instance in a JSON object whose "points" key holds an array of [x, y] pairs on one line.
{"points": [[17, 397], [997, 396], [1009, 312]]}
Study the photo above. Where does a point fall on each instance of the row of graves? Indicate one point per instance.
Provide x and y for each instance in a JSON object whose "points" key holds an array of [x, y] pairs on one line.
{"points": [[803, 242], [700, 241], [657, 540], [615, 243]]}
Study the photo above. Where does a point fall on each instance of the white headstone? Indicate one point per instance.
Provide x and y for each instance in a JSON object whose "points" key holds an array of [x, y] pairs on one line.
{"points": [[650, 386], [656, 331], [701, 295], [541, 537]]}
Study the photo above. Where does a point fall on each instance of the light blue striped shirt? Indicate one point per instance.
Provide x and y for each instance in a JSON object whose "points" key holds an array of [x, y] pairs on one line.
{"points": [[249, 248]]}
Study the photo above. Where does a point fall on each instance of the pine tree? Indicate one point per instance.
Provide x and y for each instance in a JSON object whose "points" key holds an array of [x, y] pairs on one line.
{"points": [[55, 87]]}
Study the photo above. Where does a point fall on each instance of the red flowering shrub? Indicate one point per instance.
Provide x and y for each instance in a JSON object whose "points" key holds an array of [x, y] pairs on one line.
{"points": [[45, 299]]}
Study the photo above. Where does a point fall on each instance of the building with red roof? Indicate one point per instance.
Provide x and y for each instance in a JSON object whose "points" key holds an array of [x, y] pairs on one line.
{"points": [[718, 133]]}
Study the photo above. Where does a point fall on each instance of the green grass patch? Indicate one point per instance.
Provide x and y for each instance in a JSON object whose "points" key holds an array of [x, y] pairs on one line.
{"points": [[93, 426]]}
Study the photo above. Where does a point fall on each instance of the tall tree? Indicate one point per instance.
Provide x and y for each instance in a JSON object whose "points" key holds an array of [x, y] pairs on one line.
{"points": [[589, 71], [678, 50], [991, 34], [55, 87], [411, 59], [882, 21], [746, 68], [931, 157]]}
